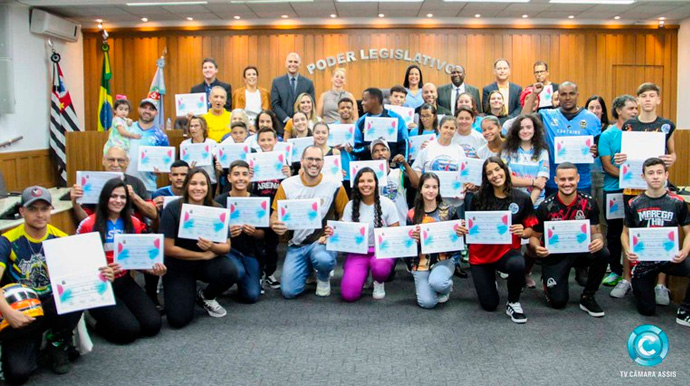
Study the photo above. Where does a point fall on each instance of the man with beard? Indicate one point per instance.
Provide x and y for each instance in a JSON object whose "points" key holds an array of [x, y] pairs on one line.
{"points": [[150, 135], [430, 96], [372, 104], [448, 94]]}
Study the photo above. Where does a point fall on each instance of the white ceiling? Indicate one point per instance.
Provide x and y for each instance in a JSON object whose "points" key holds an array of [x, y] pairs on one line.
{"points": [[116, 13]]}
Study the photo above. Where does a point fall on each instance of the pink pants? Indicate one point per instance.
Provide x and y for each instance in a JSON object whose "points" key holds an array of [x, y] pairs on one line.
{"points": [[356, 270]]}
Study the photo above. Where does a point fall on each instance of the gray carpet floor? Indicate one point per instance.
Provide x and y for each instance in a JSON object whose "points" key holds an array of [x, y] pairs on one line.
{"points": [[324, 341]]}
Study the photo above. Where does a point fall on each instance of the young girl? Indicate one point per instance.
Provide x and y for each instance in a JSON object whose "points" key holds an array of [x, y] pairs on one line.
{"points": [[192, 260], [369, 207], [321, 132], [491, 131], [428, 121], [303, 104], [134, 314], [433, 273], [119, 133], [198, 133], [469, 140], [496, 193]]}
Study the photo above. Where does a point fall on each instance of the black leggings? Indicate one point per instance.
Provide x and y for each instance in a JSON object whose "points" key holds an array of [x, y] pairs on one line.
{"points": [[134, 314], [20, 349], [180, 285], [484, 278], [269, 257], [643, 286], [555, 270]]}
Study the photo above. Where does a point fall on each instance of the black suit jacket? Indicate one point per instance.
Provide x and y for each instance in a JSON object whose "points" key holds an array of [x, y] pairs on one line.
{"points": [[201, 87], [439, 110], [283, 97], [445, 95], [513, 98]]}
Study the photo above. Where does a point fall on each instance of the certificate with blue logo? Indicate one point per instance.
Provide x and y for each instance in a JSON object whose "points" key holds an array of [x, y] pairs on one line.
{"points": [[92, 184], [298, 146], [349, 237], [630, 175], [340, 134], [470, 170], [416, 142], [489, 227], [614, 206], [570, 236], [437, 237], [377, 127], [300, 214], [227, 153], [138, 251], [156, 158], [654, 244], [208, 222], [394, 242], [573, 149], [450, 185], [267, 166], [197, 153], [254, 211]]}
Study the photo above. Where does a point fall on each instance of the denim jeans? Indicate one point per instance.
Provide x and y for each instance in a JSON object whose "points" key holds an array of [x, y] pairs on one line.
{"points": [[429, 285], [299, 262], [249, 284]]}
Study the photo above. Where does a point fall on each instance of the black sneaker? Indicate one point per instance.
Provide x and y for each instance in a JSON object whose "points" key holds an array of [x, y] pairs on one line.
{"points": [[272, 282], [514, 310], [459, 272], [581, 276], [589, 305], [683, 317], [58, 357]]}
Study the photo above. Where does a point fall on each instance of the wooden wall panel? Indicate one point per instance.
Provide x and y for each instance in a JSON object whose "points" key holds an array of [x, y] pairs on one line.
{"points": [[27, 168], [586, 56]]}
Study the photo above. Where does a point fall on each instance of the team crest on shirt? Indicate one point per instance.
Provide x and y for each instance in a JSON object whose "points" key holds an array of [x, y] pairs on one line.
{"points": [[554, 122], [551, 282], [583, 124], [580, 215], [513, 208], [665, 128]]}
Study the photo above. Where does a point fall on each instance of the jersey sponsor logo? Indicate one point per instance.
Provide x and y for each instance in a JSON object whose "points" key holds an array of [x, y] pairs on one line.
{"points": [[580, 215], [665, 128], [514, 208], [583, 124], [551, 282], [655, 217]]}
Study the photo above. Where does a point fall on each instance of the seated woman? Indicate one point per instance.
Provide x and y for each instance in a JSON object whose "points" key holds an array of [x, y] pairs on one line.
{"points": [[134, 314], [192, 260]]}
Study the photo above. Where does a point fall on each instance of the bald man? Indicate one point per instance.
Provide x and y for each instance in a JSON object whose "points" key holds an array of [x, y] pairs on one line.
{"points": [[430, 96], [286, 88]]}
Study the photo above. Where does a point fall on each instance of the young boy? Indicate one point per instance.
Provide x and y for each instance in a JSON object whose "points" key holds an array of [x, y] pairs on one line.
{"points": [[398, 95], [178, 173], [657, 207]]}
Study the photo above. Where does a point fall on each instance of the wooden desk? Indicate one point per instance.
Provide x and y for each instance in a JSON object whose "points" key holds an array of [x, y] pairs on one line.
{"points": [[61, 216]]}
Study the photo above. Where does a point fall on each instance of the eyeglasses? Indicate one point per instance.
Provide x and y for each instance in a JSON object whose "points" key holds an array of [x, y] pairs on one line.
{"points": [[118, 160], [314, 160]]}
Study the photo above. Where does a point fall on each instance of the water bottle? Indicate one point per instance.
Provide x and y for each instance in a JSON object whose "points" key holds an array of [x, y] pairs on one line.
{"points": [[168, 124]]}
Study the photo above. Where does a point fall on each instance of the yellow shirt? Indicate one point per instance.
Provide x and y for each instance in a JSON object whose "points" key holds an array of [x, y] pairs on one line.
{"points": [[218, 125]]}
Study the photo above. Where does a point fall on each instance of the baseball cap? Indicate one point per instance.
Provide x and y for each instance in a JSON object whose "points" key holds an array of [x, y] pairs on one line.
{"points": [[35, 193], [379, 141], [150, 101]]}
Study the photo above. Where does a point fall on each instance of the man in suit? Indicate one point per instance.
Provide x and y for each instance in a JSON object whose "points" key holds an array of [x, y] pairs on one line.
{"points": [[286, 88], [448, 93], [511, 91], [209, 68]]}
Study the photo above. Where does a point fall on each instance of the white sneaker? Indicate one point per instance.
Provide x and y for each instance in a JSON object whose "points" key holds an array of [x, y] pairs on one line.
{"points": [[323, 288], [661, 295], [517, 315], [379, 290], [210, 305], [444, 298], [503, 275], [621, 289]]}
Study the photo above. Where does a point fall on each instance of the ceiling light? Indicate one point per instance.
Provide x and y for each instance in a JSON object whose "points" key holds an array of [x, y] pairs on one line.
{"points": [[333, 15], [571, 17], [429, 15], [662, 18], [487, 1], [379, 1], [525, 16], [99, 20], [284, 16], [100, 26], [617, 17], [615, 2], [237, 17], [144, 19], [166, 3], [190, 18], [381, 15], [477, 15], [268, 1]]}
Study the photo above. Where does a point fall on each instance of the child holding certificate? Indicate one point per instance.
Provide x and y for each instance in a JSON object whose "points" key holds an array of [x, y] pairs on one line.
{"points": [[134, 315], [369, 207], [320, 132], [198, 132], [244, 237], [496, 193], [433, 273], [191, 260], [657, 207]]}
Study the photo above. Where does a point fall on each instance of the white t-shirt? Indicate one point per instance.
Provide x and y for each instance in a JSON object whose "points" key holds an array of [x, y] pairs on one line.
{"points": [[253, 104], [438, 157], [470, 143], [396, 192], [389, 215], [484, 152]]}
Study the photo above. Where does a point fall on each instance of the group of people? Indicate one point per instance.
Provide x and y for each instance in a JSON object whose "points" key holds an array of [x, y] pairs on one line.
{"points": [[514, 138]]}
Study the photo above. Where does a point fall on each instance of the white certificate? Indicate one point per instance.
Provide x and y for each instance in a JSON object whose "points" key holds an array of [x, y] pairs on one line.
{"points": [[92, 184], [471, 170], [168, 199], [654, 244], [254, 211], [156, 157], [267, 166], [208, 222], [227, 153], [298, 146], [349, 237], [614, 206], [630, 175], [407, 113], [489, 227], [378, 166], [285, 147], [332, 167], [394, 242], [416, 142], [194, 104], [340, 134], [196, 152], [642, 145], [376, 127], [570, 236], [138, 251], [450, 184], [438, 237], [574, 149], [300, 214], [73, 263]]}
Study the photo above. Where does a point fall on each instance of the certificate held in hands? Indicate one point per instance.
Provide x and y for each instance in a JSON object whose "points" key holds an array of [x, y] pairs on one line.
{"points": [[267, 166], [349, 237], [394, 242], [156, 157], [571, 236], [208, 222], [630, 175], [194, 104], [340, 134], [196, 152], [375, 128], [332, 167], [92, 184], [489, 227], [77, 283], [252, 211], [230, 152], [574, 149], [654, 244], [450, 185], [300, 214], [379, 167], [138, 251], [471, 171], [438, 237]]}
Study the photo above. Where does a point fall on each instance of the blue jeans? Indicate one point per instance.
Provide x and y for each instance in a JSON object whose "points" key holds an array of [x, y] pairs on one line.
{"points": [[249, 284], [299, 262], [430, 284]]}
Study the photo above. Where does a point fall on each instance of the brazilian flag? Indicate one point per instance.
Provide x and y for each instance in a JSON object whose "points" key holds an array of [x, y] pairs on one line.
{"points": [[105, 101]]}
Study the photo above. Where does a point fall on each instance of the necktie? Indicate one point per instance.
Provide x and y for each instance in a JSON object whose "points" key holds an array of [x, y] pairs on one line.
{"points": [[457, 97], [294, 85]]}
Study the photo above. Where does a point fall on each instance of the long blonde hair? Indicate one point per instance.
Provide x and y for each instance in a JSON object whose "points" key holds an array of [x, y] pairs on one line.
{"points": [[311, 117]]}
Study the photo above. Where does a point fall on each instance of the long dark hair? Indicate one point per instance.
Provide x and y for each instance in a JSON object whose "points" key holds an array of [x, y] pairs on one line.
{"points": [[486, 198], [513, 141], [274, 119], [357, 198], [406, 83], [208, 200], [419, 199], [475, 107], [434, 124], [604, 110], [102, 212]]}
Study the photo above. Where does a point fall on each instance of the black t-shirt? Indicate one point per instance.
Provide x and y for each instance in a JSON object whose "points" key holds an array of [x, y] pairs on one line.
{"points": [[659, 125], [170, 224], [669, 210], [243, 243], [583, 207]]}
